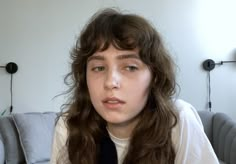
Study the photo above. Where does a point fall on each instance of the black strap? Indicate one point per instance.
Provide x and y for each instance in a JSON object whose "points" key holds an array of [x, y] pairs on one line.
{"points": [[108, 154]]}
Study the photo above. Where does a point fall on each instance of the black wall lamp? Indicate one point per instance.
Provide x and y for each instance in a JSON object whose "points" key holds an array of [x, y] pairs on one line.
{"points": [[11, 68], [209, 65]]}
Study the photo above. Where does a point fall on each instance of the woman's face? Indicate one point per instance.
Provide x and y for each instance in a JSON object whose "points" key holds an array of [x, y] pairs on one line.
{"points": [[118, 83]]}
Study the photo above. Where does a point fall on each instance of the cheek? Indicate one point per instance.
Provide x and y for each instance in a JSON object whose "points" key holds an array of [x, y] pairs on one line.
{"points": [[144, 83], [90, 85], [94, 87], [141, 89], [146, 86]]}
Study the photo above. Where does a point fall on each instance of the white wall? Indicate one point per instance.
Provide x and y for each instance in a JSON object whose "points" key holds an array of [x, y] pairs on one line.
{"points": [[38, 35]]}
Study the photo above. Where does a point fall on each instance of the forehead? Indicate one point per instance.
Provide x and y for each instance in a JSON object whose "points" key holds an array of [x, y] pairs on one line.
{"points": [[113, 53]]}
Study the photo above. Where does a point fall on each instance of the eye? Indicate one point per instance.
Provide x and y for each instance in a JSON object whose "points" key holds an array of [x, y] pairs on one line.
{"points": [[98, 68], [131, 68]]}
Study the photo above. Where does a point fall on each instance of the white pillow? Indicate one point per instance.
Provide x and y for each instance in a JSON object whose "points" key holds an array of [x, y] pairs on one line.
{"points": [[36, 133]]}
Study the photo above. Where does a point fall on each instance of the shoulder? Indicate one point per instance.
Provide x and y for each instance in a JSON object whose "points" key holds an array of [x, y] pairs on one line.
{"points": [[188, 123], [61, 128], [186, 113], [188, 137], [61, 122], [59, 140], [182, 106]]}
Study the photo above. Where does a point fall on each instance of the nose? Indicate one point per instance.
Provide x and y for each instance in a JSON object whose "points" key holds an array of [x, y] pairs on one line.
{"points": [[112, 80]]}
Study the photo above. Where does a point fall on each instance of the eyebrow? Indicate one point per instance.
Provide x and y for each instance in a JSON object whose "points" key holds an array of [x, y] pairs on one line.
{"points": [[95, 58], [128, 56], [120, 57]]}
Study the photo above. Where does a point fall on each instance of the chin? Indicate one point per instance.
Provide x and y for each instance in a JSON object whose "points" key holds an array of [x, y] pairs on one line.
{"points": [[114, 121]]}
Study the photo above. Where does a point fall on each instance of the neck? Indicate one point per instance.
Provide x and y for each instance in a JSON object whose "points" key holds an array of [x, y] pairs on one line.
{"points": [[122, 131]]}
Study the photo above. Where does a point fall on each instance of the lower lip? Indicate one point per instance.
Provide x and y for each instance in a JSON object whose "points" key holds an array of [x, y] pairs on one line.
{"points": [[113, 106]]}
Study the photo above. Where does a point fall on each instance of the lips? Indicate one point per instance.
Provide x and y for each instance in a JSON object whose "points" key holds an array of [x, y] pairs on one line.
{"points": [[113, 103]]}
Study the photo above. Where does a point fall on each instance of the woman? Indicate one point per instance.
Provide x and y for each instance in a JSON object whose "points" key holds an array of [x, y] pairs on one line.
{"points": [[122, 108]]}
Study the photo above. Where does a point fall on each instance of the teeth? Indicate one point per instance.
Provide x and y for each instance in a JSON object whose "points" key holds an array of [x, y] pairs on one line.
{"points": [[112, 102]]}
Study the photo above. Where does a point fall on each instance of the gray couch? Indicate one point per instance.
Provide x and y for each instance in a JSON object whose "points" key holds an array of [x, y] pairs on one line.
{"points": [[221, 131], [28, 137]]}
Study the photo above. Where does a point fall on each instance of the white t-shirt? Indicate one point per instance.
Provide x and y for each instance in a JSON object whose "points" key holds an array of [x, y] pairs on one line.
{"points": [[189, 140], [121, 146]]}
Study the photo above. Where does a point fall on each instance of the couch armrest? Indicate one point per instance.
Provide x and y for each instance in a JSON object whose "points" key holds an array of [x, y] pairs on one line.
{"points": [[2, 153], [224, 138], [207, 121]]}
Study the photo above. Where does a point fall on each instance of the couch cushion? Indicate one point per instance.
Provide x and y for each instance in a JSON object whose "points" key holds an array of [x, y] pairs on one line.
{"points": [[219, 131], [2, 153], [35, 133], [43, 162], [207, 121], [222, 162], [230, 143], [224, 132], [12, 147]]}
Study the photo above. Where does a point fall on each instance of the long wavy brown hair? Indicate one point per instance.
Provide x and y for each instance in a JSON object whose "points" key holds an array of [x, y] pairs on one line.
{"points": [[151, 139]]}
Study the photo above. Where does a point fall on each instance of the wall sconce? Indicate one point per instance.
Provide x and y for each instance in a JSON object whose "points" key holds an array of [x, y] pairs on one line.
{"points": [[11, 68], [209, 65]]}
